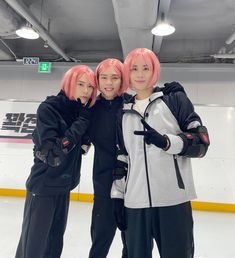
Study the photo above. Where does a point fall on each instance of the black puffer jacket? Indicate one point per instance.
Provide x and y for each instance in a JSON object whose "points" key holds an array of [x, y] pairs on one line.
{"points": [[57, 117]]}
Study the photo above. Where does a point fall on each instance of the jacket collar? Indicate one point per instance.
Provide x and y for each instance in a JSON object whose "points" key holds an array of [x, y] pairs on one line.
{"points": [[116, 101], [155, 95]]}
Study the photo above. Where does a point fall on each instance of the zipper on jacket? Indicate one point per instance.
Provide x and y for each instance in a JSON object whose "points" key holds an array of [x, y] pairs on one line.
{"points": [[145, 158], [128, 174], [178, 175], [145, 154], [147, 175]]}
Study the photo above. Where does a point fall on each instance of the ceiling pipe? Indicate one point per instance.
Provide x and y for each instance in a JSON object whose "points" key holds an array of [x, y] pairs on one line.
{"points": [[24, 11], [225, 56]]}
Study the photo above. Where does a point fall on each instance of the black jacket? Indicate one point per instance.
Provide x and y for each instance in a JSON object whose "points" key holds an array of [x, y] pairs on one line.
{"points": [[102, 132], [57, 117]]}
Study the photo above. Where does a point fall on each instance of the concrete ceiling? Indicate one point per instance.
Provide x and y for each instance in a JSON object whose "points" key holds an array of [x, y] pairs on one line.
{"points": [[92, 30]]}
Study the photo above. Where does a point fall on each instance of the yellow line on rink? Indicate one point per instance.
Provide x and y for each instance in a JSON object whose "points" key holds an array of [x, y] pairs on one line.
{"points": [[213, 206], [81, 197], [12, 192], [84, 197]]}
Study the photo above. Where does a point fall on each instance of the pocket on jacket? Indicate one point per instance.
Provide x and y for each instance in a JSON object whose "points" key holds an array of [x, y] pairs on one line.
{"points": [[58, 176]]}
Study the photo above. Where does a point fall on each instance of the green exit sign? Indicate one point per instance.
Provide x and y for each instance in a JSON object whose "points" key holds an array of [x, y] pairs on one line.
{"points": [[44, 67]]}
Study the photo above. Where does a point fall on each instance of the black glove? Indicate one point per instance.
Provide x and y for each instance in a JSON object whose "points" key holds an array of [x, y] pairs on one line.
{"points": [[53, 154], [172, 87], [49, 156], [86, 144], [85, 110], [54, 158], [119, 214], [151, 136]]}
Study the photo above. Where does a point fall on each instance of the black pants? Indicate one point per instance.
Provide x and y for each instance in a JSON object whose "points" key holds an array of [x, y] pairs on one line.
{"points": [[44, 223], [103, 228], [171, 227]]}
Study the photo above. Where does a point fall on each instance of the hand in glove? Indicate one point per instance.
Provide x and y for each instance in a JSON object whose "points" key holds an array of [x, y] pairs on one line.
{"points": [[85, 109], [54, 158], [49, 156], [53, 154], [172, 87], [119, 214], [151, 136], [86, 144]]}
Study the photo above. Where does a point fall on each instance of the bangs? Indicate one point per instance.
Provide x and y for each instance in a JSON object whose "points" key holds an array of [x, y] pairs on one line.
{"points": [[71, 77], [149, 58]]}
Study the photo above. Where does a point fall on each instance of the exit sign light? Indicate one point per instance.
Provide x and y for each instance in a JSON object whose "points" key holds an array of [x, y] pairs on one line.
{"points": [[44, 67]]}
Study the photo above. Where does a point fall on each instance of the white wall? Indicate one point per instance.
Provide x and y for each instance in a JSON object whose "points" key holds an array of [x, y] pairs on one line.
{"points": [[23, 82], [205, 84]]}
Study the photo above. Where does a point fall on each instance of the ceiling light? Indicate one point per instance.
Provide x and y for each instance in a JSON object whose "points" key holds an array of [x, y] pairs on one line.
{"points": [[27, 32], [163, 28]]}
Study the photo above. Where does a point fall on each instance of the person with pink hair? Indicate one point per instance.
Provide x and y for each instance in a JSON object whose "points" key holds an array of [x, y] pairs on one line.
{"points": [[111, 82], [62, 121], [153, 183]]}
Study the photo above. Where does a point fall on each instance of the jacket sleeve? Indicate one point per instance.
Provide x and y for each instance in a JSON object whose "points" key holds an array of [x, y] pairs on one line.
{"points": [[187, 118], [51, 143], [121, 166], [48, 126]]}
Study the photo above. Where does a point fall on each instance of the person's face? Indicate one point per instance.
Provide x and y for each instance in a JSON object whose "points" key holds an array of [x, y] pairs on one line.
{"points": [[109, 83], [140, 74], [83, 89]]}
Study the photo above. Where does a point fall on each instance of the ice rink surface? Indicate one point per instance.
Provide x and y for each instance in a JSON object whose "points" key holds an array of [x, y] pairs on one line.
{"points": [[214, 232]]}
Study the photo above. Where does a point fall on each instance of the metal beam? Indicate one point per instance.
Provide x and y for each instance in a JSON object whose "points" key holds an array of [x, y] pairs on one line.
{"points": [[134, 19], [24, 11]]}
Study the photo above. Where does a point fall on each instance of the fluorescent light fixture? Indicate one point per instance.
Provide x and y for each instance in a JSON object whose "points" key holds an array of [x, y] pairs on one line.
{"points": [[163, 28], [27, 32]]}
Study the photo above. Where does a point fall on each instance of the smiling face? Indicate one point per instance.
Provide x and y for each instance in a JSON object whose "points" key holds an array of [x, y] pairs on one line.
{"points": [[109, 83], [83, 89], [140, 74]]}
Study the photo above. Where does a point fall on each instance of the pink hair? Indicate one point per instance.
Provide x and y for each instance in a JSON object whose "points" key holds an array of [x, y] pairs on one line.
{"points": [[151, 60], [119, 69], [71, 77]]}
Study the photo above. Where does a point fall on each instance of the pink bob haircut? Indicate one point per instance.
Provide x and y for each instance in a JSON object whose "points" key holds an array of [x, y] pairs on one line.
{"points": [[151, 60], [118, 67], [71, 77]]}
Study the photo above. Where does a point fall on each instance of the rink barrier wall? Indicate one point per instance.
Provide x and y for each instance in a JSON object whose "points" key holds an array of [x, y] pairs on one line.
{"points": [[83, 197], [213, 177]]}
